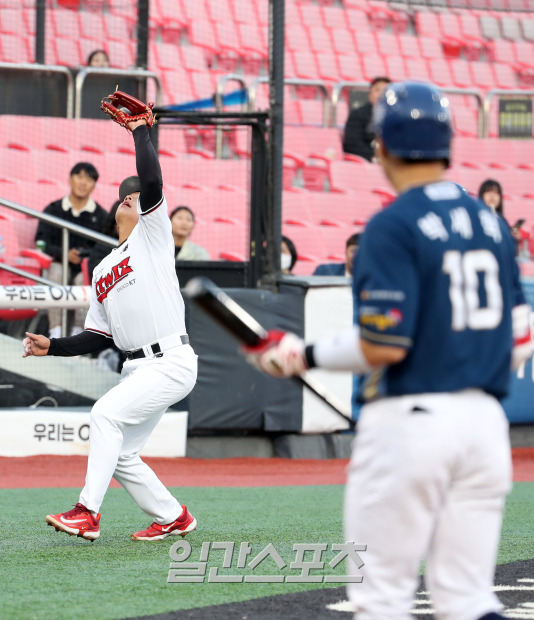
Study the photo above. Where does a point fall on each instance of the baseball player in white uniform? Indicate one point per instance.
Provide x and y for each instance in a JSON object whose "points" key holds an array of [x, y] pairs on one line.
{"points": [[136, 302]]}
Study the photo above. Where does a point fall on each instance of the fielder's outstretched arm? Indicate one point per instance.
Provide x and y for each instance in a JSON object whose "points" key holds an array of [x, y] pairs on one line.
{"points": [[148, 168]]}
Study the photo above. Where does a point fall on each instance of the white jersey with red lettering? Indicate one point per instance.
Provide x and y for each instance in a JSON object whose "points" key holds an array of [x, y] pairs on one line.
{"points": [[135, 296], [136, 300]]}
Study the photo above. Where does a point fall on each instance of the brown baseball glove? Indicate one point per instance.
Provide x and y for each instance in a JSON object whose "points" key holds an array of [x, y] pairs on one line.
{"points": [[124, 109]]}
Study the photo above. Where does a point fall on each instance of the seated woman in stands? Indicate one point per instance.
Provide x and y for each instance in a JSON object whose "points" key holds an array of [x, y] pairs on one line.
{"points": [[183, 222]]}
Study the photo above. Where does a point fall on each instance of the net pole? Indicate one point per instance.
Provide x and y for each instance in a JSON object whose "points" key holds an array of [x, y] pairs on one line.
{"points": [[40, 17], [276, 134], [142, 43]]}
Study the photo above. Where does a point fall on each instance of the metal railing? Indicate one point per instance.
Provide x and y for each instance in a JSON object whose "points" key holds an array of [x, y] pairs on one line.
{"points": [[43, 69], [219, 92], [471, 92], [339, 87], [66, 228], [337, 91], [319, 84], [131, 73]]}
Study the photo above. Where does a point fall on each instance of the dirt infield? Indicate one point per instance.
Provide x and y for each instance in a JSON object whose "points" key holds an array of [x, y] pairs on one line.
{"points": [[69, 471]]}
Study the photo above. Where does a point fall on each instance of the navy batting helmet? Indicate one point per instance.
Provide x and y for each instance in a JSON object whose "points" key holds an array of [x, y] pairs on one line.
{"points": [[414, 121]]}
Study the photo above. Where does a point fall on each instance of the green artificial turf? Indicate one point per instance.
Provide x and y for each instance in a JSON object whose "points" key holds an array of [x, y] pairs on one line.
{"points": [[44, 574]]}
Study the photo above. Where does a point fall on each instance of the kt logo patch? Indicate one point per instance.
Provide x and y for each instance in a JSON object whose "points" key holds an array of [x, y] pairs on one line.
{"points": [[106, 283]]}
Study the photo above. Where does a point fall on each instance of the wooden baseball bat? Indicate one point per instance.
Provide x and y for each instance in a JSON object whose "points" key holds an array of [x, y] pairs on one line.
{"points": [[238, 322]]}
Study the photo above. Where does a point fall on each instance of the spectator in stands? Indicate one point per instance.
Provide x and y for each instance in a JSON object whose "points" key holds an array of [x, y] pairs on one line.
{"points": [[490, 192], [99, 251], [341, 269], [98, 59], [183, 222], [358, 137], [288, 256], [77, 208]]}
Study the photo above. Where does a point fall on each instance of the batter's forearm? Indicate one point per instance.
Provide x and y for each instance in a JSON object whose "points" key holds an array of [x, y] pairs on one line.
{"points": [[86, 342], [148, 168]]}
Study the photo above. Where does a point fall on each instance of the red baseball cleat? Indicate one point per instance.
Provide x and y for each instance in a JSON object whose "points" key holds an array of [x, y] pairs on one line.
{"points": [[76, 522], [185, 523]]}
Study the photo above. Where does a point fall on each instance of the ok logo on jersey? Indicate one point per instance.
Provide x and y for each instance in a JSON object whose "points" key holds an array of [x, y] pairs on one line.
{"points": [[107, 282]]}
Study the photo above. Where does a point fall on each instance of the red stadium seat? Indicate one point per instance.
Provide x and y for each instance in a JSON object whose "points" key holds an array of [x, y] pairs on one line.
{"points": [[324, 142], [299, 206], [427, 24], [251, 39], [430, 48], [122, 54], [65, 23], [510, 28], [311, 16], [449, 24], [482, 73], [21, 132], [172, 140], [92, 26], [12, 22], [357, 20], [320, 39], [440, 72], [15, 164], [400, 21], [417, 69], [307, 239], [14, 48], [244, 12], [379, 15], [409, 46], [489, 27], [305, 65], [350, 68], [334, 17], [343, 42], [66, 51], [202, 34], [193, 9], [465, 121], [117, 166], [29, 20], [365, 41], [10, 190], [505, 76], [202, 84], [227, 36], [503, 51], [387, 44], [372, 66], [461, 75], [327, 67], [395, 67], [311, 111], [167, 55], [176, 87], [296, 37], [40, 195]]}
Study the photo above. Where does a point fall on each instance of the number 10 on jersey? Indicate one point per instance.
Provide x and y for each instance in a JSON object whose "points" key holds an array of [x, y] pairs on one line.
{"points": [[466, 272]]}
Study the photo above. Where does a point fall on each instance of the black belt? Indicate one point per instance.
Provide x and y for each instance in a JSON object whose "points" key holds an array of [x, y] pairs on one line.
{"points": [[155, 348]]}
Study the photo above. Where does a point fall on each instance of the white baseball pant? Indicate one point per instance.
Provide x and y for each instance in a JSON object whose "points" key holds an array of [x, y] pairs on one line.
{"points": [[430, 483], [121, 422]]}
